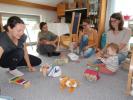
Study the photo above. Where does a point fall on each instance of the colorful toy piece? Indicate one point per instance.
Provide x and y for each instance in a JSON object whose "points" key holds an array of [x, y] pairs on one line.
{"points": [[66, 82], [20, 81], [50, 70], [91, 75], [93, 67]]}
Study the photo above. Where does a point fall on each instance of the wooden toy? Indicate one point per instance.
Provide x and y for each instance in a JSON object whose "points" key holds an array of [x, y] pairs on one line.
{"points": [[44, 69], [20, 81], [61, 61], [91, 75], [66, 82]]}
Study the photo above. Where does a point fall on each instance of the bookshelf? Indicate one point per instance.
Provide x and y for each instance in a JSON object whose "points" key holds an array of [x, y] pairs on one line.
{"points": [[96, 13]]}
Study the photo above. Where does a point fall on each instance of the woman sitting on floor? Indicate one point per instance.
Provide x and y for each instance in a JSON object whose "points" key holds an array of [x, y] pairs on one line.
{"points": [[13, 51], [87, 40]]}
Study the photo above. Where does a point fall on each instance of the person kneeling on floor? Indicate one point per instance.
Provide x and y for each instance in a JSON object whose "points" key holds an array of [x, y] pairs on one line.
{"points": [[13, 51]]}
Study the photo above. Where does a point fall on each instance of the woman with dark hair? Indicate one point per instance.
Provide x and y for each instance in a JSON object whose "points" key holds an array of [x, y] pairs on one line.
{"points": [[13, 51], [119, 35], [47, 41]]}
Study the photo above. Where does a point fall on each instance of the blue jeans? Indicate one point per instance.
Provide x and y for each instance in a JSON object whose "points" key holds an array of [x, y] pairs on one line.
{"points": [[122, 56], [84, 42], [89, 52]]}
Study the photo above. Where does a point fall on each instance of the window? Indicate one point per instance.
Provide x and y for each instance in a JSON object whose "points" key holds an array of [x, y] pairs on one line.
{"points": [[31, 22], [121, 6]]}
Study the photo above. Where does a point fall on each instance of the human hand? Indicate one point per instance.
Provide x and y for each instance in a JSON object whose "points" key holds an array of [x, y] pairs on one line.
{"points": [[85, 48], [98, 54], [102, 59], [32, 69], [75, 44], [99, 57]]}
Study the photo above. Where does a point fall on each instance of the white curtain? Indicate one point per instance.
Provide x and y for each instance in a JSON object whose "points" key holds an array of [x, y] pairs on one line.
{"points": [[109, 11]]}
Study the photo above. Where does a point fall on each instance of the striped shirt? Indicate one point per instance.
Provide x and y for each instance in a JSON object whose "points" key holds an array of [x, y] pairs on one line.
{"points": [[111, 63]]}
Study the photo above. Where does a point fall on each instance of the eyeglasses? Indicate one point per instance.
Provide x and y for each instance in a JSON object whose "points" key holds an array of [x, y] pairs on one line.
{"points": [[113, 21], [84, 25]]}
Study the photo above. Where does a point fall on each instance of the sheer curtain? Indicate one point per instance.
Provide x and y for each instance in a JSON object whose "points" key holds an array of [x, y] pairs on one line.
{"points": [[31, 22]]}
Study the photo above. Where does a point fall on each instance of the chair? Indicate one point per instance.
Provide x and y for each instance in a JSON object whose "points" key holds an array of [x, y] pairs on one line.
{"points": [[74, 29]]}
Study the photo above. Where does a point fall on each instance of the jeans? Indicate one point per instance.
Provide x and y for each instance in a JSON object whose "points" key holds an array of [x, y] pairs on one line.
{"points": [[122, 56], [89, 52], [84, 42]]}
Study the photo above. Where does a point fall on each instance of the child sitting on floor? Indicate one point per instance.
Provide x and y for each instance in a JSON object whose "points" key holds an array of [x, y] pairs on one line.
{"points": [[110, 64]]}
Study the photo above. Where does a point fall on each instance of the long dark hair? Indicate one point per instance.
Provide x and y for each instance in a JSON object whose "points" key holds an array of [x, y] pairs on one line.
{"points": [[119, 17], [12, 21]]}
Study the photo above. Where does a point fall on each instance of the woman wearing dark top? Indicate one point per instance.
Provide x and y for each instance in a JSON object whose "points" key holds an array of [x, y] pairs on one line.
{"points": [[13, 51]]}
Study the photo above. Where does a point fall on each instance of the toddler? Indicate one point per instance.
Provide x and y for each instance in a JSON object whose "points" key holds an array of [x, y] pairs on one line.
{"points": [[110, 63]]}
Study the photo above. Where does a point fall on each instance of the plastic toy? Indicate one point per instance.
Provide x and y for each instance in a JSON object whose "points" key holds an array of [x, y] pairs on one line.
{"points": [[54, 71], [20, 81], [66, 82], [93, 67], [50, 70]]}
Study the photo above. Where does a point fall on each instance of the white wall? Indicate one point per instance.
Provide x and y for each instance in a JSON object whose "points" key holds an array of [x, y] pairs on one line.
{"points": [[45, 15]]}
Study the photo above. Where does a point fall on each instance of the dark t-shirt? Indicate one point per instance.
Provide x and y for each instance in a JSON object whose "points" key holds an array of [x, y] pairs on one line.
{"points": [[7, 44]]}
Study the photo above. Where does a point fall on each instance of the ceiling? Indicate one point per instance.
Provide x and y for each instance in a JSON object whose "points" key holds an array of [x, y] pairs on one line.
{"points": [[46, 2]]}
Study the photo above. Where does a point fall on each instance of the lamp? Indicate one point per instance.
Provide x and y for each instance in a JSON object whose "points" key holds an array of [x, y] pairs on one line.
{"points": [[58, 29]]}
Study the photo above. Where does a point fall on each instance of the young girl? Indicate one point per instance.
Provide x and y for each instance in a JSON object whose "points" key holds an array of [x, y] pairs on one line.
{"points": [[110, 63]]}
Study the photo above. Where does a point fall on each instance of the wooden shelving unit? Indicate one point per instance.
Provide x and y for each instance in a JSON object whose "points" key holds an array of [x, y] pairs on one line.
{"points": [[61, 7], [96, 12]]}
